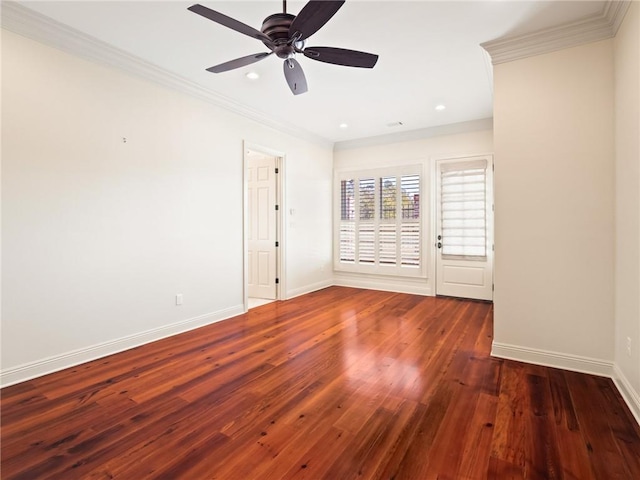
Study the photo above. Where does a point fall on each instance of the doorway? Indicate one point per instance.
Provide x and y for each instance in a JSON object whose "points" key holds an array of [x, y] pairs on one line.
{"points": [[464, 227], [262, 226]]}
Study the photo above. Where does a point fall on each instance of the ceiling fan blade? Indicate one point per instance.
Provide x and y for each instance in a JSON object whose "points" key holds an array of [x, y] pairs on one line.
{"points": [[341, 56], [295, 76], [238, 62], [229, 22], [312, 17]]}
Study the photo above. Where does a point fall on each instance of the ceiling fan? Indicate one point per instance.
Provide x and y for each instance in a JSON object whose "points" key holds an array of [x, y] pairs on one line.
{"points": [[285, 35]]}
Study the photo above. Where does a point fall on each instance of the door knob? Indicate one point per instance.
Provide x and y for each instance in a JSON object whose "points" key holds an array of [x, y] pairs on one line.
{"points": [[439, 244], [439, 237]]}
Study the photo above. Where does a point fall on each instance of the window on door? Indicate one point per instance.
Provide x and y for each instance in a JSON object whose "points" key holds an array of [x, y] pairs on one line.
{"points": [[380, 222], [463, 207]]}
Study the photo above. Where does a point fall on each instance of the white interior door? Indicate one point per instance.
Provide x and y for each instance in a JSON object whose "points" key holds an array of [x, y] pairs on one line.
{"points": [[262, 232], [464, 227]]}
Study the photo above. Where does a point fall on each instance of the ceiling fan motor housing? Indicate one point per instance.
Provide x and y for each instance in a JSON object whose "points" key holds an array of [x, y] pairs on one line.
{"points": [[276, 27]]}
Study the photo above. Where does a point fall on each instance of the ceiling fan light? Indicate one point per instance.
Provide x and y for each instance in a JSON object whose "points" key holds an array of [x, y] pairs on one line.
{"points": [[252, 75]]}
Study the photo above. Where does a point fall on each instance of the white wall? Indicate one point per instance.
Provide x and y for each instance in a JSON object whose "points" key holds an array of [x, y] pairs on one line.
{"points": [[627, 204], [100, 235], [554, 212], [413, 152]]}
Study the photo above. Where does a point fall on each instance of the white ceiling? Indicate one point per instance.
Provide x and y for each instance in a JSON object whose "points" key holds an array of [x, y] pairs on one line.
{"points": [[429, 52]]}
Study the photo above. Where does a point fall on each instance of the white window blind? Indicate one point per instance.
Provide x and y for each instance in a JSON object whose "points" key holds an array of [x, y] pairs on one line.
{"points": [[380, 222], [463, 188]]}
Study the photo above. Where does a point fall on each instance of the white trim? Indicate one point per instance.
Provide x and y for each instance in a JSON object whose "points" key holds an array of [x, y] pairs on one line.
{"points": [[30, 24], [309, 288], [595, 27], [281, 226], [418, 134], [404, 169], [431, 241], [565, 361], [488, 67], [438, 158], [414, 286], [629, 394], [56, 363]]}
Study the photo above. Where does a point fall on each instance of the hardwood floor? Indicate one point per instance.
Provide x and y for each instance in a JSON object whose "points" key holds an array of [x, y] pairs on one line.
{"points": [[338, 384]]}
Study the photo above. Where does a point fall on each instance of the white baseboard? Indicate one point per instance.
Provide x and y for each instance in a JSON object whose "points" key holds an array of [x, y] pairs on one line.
{"points": [[630, 395], [575, 363], [55, 363], [397, 285], [296, 292]]}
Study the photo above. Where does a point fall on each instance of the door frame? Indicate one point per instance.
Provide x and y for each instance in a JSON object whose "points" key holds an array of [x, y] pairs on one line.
{"points": [[280, 225], [433, 197]]}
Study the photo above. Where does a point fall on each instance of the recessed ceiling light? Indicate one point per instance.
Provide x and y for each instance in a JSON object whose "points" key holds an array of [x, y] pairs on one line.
{"points": [[252, 76], [440, 107], [344, 125]]}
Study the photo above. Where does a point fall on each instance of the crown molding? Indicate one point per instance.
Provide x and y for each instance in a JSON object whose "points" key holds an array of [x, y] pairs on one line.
{"points": [[418, 134], [23, 21], [590, 29]]}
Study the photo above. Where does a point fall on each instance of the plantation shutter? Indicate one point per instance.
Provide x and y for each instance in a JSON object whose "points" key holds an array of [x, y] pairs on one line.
{"points": [[463, 188], [347, 221], [410, 226], [387, 231], [380, 227], [366, 226]]}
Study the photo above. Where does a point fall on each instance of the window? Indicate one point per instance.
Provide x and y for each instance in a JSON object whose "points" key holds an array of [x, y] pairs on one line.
{"points": [[464, 214], [380, 225]]}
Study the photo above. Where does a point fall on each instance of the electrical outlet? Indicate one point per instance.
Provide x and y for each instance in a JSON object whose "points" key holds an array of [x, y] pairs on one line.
{"points": [[628, 346], [179, 299]]}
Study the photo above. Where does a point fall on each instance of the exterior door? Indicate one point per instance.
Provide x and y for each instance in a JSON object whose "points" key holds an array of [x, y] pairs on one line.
{"points": [[464, 227], [262, 232]]}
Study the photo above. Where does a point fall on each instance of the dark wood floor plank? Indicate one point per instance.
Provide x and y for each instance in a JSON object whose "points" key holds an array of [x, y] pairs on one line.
{"points": [[574, 455], [308, 416], [563, 409], [317, 458], [411, 460], [365, 454], [623, 427], [542, 457], [337, 384], [443, 460], [474, 463], [508, 443], [605, 456], [503, 470]]}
